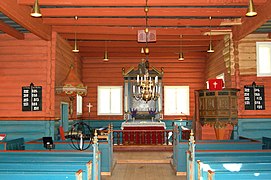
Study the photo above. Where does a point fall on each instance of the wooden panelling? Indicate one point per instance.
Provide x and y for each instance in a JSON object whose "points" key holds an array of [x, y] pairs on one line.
{"points": [[219, 61], [248, 74], [189, 72], [64, 59], [22, 62], [247, 53]]}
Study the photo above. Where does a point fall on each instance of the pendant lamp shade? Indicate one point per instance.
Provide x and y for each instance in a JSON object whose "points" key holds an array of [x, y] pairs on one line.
{"points": [[210, 49], [36, 10], [251, 9], [181, 57], [106, 59], [75, 48]]}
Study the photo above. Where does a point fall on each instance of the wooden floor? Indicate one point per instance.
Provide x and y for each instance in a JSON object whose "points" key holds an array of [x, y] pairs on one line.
{"points": [[143, 166]]}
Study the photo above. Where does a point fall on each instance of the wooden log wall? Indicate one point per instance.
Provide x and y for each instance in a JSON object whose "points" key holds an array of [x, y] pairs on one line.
{"points": [[189, 72], [23, 62], [217, 63], [44, 63], [64, 58], [220, 61], [248, 74]]}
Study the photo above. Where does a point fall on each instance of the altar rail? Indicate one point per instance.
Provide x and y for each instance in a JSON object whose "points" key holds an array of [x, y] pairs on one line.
{"points": [[143, 137]]}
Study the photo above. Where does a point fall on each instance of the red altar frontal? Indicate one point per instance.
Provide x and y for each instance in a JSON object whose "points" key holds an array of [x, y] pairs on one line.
{"points": [[143, 132]]}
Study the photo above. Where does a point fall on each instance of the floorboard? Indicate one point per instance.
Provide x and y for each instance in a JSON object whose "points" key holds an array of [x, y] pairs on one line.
{"points": [[143, 166]]}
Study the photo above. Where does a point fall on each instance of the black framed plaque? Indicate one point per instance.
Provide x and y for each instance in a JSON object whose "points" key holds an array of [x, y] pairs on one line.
{"points": [[32, 98], [254, 97]]}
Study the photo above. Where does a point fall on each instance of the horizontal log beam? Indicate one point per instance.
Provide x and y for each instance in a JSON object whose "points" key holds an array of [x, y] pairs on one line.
{"points": [[21, 15], [250, 24], [11, 31], [141, 3], [135, 12]]}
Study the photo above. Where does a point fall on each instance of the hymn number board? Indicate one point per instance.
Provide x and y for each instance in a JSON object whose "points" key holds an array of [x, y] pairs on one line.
{"points": [[254, 97], [31, 98]]}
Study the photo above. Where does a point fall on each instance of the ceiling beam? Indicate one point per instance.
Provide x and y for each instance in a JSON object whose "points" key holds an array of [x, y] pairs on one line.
{"points": [[121, 37], [250, 24], [131, 30], [142, 3], [21, 15], [135, 12], [135, 22], [11, 31]]}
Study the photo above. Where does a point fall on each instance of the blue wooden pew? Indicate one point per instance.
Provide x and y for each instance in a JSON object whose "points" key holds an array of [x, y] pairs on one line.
{"points": [[105, 147], [52, 161], [204, 168], [41, 175], [13, 144], [223, 156], [245, 175], [180, 147], [49, 166]]}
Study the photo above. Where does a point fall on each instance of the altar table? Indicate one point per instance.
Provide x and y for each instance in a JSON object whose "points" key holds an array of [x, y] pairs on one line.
{"points": [[143, 132]]}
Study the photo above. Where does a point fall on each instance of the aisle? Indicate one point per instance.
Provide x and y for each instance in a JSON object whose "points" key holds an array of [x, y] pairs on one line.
{"points": [[143, 166]]}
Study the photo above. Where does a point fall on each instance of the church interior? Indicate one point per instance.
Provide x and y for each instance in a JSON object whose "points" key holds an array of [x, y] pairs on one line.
{"points": [[128, 90]]}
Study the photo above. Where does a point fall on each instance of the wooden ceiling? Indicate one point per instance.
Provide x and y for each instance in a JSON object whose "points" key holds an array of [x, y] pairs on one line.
{"points": [[114, 25]]}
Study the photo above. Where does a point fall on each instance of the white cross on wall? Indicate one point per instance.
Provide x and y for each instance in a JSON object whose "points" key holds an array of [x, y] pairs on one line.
{"points": [[89, 106]]}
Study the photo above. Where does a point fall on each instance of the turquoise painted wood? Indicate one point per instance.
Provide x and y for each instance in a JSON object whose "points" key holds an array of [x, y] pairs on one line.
{"points": [[60, 158], [14, 144], [226, 156], [254, 128], [266, 143], [248, 175], [46, 166], [42, 175], [179, 156], [29, 130], [105, 147], [231, 167], [64, 122]]}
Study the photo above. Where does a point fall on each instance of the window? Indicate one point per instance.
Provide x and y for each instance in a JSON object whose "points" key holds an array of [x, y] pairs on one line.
{"points": [[109, 100], [263, 50], [79, 104], [176, 100]]}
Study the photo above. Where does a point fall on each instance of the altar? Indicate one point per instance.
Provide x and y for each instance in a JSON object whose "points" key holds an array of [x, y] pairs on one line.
{"points": [[143, 132], [143, 105]]}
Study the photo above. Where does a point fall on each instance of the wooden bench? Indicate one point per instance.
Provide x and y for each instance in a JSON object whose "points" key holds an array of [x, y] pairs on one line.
{"points": [[209, 162], [105, 147], [40, 175], [14, 144], [32, 162], [205, 168], [180, 147], [244, 175]]}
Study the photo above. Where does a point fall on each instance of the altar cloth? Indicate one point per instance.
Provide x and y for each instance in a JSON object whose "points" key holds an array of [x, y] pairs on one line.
{"points": [[143, 124]]}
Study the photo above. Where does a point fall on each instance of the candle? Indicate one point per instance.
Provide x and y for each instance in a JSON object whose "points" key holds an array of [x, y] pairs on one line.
{"points": [[159, 104], [126, 103]]}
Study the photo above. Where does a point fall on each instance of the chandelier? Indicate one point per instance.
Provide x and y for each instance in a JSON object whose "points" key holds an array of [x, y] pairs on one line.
{"points": [[146, 87]]}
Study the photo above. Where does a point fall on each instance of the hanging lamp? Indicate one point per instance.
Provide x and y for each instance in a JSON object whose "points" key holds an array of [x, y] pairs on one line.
{"points": [[36, 10], [106, 59], [75, 47], [210, 49], [251, 9], [181, 56]]}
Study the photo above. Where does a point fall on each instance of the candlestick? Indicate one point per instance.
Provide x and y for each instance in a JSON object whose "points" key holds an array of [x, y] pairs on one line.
{"points": [[126, 104]]}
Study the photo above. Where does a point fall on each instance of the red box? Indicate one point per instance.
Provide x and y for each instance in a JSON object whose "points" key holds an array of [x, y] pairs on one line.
{"points": [[215, 84]]}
